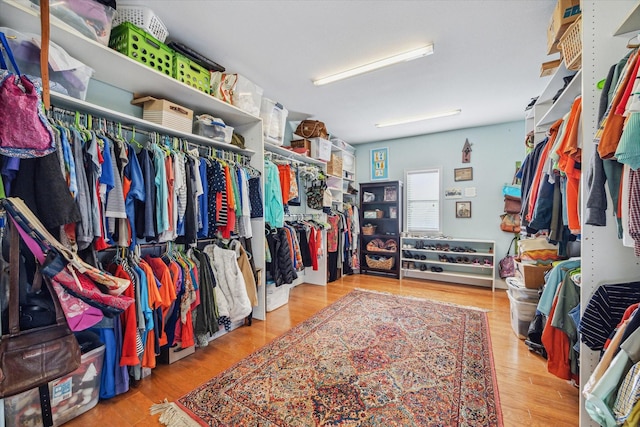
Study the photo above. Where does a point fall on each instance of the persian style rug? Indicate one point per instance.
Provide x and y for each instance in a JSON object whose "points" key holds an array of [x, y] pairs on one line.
{"points": [[369, 359]]}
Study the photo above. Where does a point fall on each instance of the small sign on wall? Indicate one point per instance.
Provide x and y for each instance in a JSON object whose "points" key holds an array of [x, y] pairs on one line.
{"points": [[379, 164]]}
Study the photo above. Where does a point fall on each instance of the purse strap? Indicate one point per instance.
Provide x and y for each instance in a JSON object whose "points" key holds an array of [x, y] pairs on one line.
{"points": [[7, 49], [44, 51], [511, 245]]}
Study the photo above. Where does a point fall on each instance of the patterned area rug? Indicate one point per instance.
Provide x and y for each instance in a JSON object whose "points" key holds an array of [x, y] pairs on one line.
{"points": [[369, 359]]}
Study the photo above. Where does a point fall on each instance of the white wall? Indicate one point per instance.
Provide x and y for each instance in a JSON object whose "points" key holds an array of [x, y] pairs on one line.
{"points": [[495, 149]]}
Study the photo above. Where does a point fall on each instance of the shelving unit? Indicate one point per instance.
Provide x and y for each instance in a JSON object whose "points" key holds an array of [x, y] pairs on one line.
{"points": [[545, 111], [121, 72], [387, 197], [605, 259], [457, 265]]}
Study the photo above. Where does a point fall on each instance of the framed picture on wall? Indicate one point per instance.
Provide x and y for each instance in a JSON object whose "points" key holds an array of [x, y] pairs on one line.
{"points": [[463, 174], [380, 164], [463, 209]]}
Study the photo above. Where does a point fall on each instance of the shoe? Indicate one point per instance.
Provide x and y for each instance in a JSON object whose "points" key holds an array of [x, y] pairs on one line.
{"points": [[419, 244], [407, 254], [487, 263], [468, 249], [411, 265], [416, 256], [476, 261], [405, 264], [423, 267], [436, 269], [465, 260], [423, 257], [443, 258], [459, 260], [451, 259]]}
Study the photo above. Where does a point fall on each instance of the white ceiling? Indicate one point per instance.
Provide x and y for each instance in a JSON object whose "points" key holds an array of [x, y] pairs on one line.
{"points": [[486, 62]]}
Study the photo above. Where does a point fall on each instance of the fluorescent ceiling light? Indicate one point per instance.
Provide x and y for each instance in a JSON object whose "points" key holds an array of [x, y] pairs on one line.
{"points": [[418, 118], [402, 57]]}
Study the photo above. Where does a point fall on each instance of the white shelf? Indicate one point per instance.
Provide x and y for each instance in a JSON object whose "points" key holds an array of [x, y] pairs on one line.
{"points": [[563, 104], [631, 22], [69, 103], [115, 69], [291, 154], [458, 272]]}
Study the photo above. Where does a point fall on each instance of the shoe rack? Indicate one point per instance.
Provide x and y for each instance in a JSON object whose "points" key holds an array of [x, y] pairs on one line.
{"points": [[454, 260]]}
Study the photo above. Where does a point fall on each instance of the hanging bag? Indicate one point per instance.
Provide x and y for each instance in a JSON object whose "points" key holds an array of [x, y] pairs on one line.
{"points": [[507, 265], [510, 222], [24, 129], [315, 195], [32, 357]]}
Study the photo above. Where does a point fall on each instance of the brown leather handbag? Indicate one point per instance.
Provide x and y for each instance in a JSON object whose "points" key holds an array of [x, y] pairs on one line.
{"points": [[312, 129], [32, 357]]}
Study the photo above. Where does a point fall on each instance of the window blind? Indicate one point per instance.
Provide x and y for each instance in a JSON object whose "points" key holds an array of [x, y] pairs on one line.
{"points": [[423, 200]]}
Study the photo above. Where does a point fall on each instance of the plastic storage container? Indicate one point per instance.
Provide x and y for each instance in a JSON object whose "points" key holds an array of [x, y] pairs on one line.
{"points": [[191, 73], [67, 75], [520, 293], [238, 91], [71, 395], [140, 46], [141, 17], [522, 313], [211, 128], [90, 18], [274, 120], [277, 296]]}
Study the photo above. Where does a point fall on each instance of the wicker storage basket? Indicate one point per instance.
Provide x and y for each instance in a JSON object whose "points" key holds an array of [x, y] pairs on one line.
{"points": [[571, 45], [369, 229], [382, 263]]}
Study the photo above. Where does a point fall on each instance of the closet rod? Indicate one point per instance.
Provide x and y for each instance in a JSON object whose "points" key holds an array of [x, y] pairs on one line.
{"points": [[222, 154]]}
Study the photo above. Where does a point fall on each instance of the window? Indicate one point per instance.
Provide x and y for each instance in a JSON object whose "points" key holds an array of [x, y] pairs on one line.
{"points": [[423, 200]]}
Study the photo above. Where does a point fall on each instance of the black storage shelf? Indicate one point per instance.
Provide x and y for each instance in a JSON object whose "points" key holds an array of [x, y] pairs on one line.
{"points": [[386, 224]]}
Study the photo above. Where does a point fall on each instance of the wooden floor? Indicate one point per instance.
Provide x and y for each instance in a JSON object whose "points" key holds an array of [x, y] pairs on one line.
{"points": [[529, 395]]}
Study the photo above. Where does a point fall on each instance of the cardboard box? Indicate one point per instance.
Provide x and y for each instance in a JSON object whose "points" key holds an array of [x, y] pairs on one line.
{"points": [[530, 274], [565, 12], [166, 113], [549, 68], [301, 143]]}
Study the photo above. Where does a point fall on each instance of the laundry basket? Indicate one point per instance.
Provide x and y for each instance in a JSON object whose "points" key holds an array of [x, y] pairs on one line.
{"points": [[141, 17]]}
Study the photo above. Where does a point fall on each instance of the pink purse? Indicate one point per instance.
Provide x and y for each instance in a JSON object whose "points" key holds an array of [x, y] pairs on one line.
{"points": [[24, 129]]}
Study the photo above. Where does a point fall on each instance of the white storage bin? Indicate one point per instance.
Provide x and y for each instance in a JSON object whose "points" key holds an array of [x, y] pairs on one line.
{"points": [[67, 75], [522, 313], [212, 128], [520, 293], [321, 149], [274, 120], [141, 17], [277, 296]]}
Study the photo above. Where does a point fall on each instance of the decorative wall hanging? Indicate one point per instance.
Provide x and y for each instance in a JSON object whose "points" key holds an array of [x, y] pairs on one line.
{"points": [[463, 209], [466, 152], [463, 174], [379, 164]]}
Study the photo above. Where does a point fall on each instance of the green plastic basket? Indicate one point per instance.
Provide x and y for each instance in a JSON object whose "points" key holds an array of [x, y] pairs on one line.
{"points": [[140, 46], [190, 73]]}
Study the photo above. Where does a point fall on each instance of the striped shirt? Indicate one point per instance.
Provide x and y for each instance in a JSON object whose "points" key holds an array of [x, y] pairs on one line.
{"points": [[605, 310]]}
